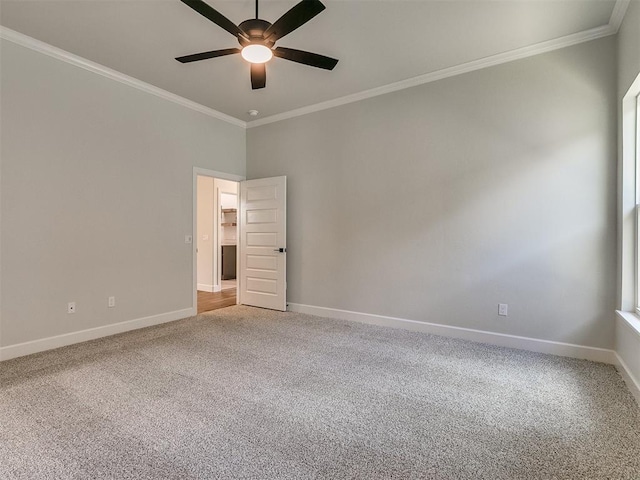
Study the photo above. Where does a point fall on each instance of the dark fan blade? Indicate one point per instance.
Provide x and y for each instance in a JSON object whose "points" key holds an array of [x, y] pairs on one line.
{"points": [[297, 16], [258, 75], [204, 55], [307, 58], [215, 16]]}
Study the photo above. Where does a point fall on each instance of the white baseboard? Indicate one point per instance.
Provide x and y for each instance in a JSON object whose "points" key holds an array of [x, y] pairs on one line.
{"points": [[503, 340], [632, 383], [35, 346], [209, 288]]}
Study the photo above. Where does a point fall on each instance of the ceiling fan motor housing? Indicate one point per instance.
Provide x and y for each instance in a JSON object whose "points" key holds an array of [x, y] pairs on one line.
{"points": [[255, 28]]}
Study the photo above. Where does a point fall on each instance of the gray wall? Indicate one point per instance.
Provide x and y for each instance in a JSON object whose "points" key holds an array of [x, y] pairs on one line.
{"points": [[96, 196], [438, 202]]}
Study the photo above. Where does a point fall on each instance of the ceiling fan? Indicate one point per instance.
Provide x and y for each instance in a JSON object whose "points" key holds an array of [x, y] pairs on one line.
{"points": [[257, 38]]}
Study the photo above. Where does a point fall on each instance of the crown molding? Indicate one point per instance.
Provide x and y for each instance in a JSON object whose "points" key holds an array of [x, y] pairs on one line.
{"points": [[46, 49], [489, 61], [619, 11]]}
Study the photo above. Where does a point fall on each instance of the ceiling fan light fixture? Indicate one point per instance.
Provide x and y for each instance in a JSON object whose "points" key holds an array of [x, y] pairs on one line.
{"points": [[256, 53]]}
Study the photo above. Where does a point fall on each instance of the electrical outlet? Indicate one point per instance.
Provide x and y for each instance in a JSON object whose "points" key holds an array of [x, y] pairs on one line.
{"points": [[503, 309], [111, 302], [71, 307]]}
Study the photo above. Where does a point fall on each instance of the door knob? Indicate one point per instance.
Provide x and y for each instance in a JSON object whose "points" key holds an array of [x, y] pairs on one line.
{"points": [[280, 250]]}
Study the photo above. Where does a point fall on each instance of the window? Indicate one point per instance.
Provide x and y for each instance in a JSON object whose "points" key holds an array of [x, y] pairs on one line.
{"points": [[629, 213]]}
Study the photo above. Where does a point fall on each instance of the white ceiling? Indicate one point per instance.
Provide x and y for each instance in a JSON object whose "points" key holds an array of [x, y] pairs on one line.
{"points": [[377, 42]]}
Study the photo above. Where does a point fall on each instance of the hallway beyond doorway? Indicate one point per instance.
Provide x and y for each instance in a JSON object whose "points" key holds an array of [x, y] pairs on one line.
{"points": [[212, 301]]}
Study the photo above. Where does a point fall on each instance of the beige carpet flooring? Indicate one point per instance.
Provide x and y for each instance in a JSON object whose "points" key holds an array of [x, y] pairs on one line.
{"points": [[255, 394]]}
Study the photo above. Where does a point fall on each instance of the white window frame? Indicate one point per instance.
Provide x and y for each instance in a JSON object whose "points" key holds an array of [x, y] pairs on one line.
{"points": [[634, 147], [629, 204]]}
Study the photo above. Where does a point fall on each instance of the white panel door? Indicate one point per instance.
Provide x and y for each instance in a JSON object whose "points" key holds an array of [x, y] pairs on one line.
{"points": [[263, 243]]}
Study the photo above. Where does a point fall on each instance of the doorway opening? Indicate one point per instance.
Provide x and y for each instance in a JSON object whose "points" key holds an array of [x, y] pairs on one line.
{"points": [[259, 235], [216, 234]]}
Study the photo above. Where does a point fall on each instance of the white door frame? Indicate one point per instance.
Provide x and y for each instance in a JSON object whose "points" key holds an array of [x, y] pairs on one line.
{"points": [[204, 172]]}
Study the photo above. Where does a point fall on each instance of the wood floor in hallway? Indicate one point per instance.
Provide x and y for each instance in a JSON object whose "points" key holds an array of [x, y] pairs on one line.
{"points": [[212, 301]]}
